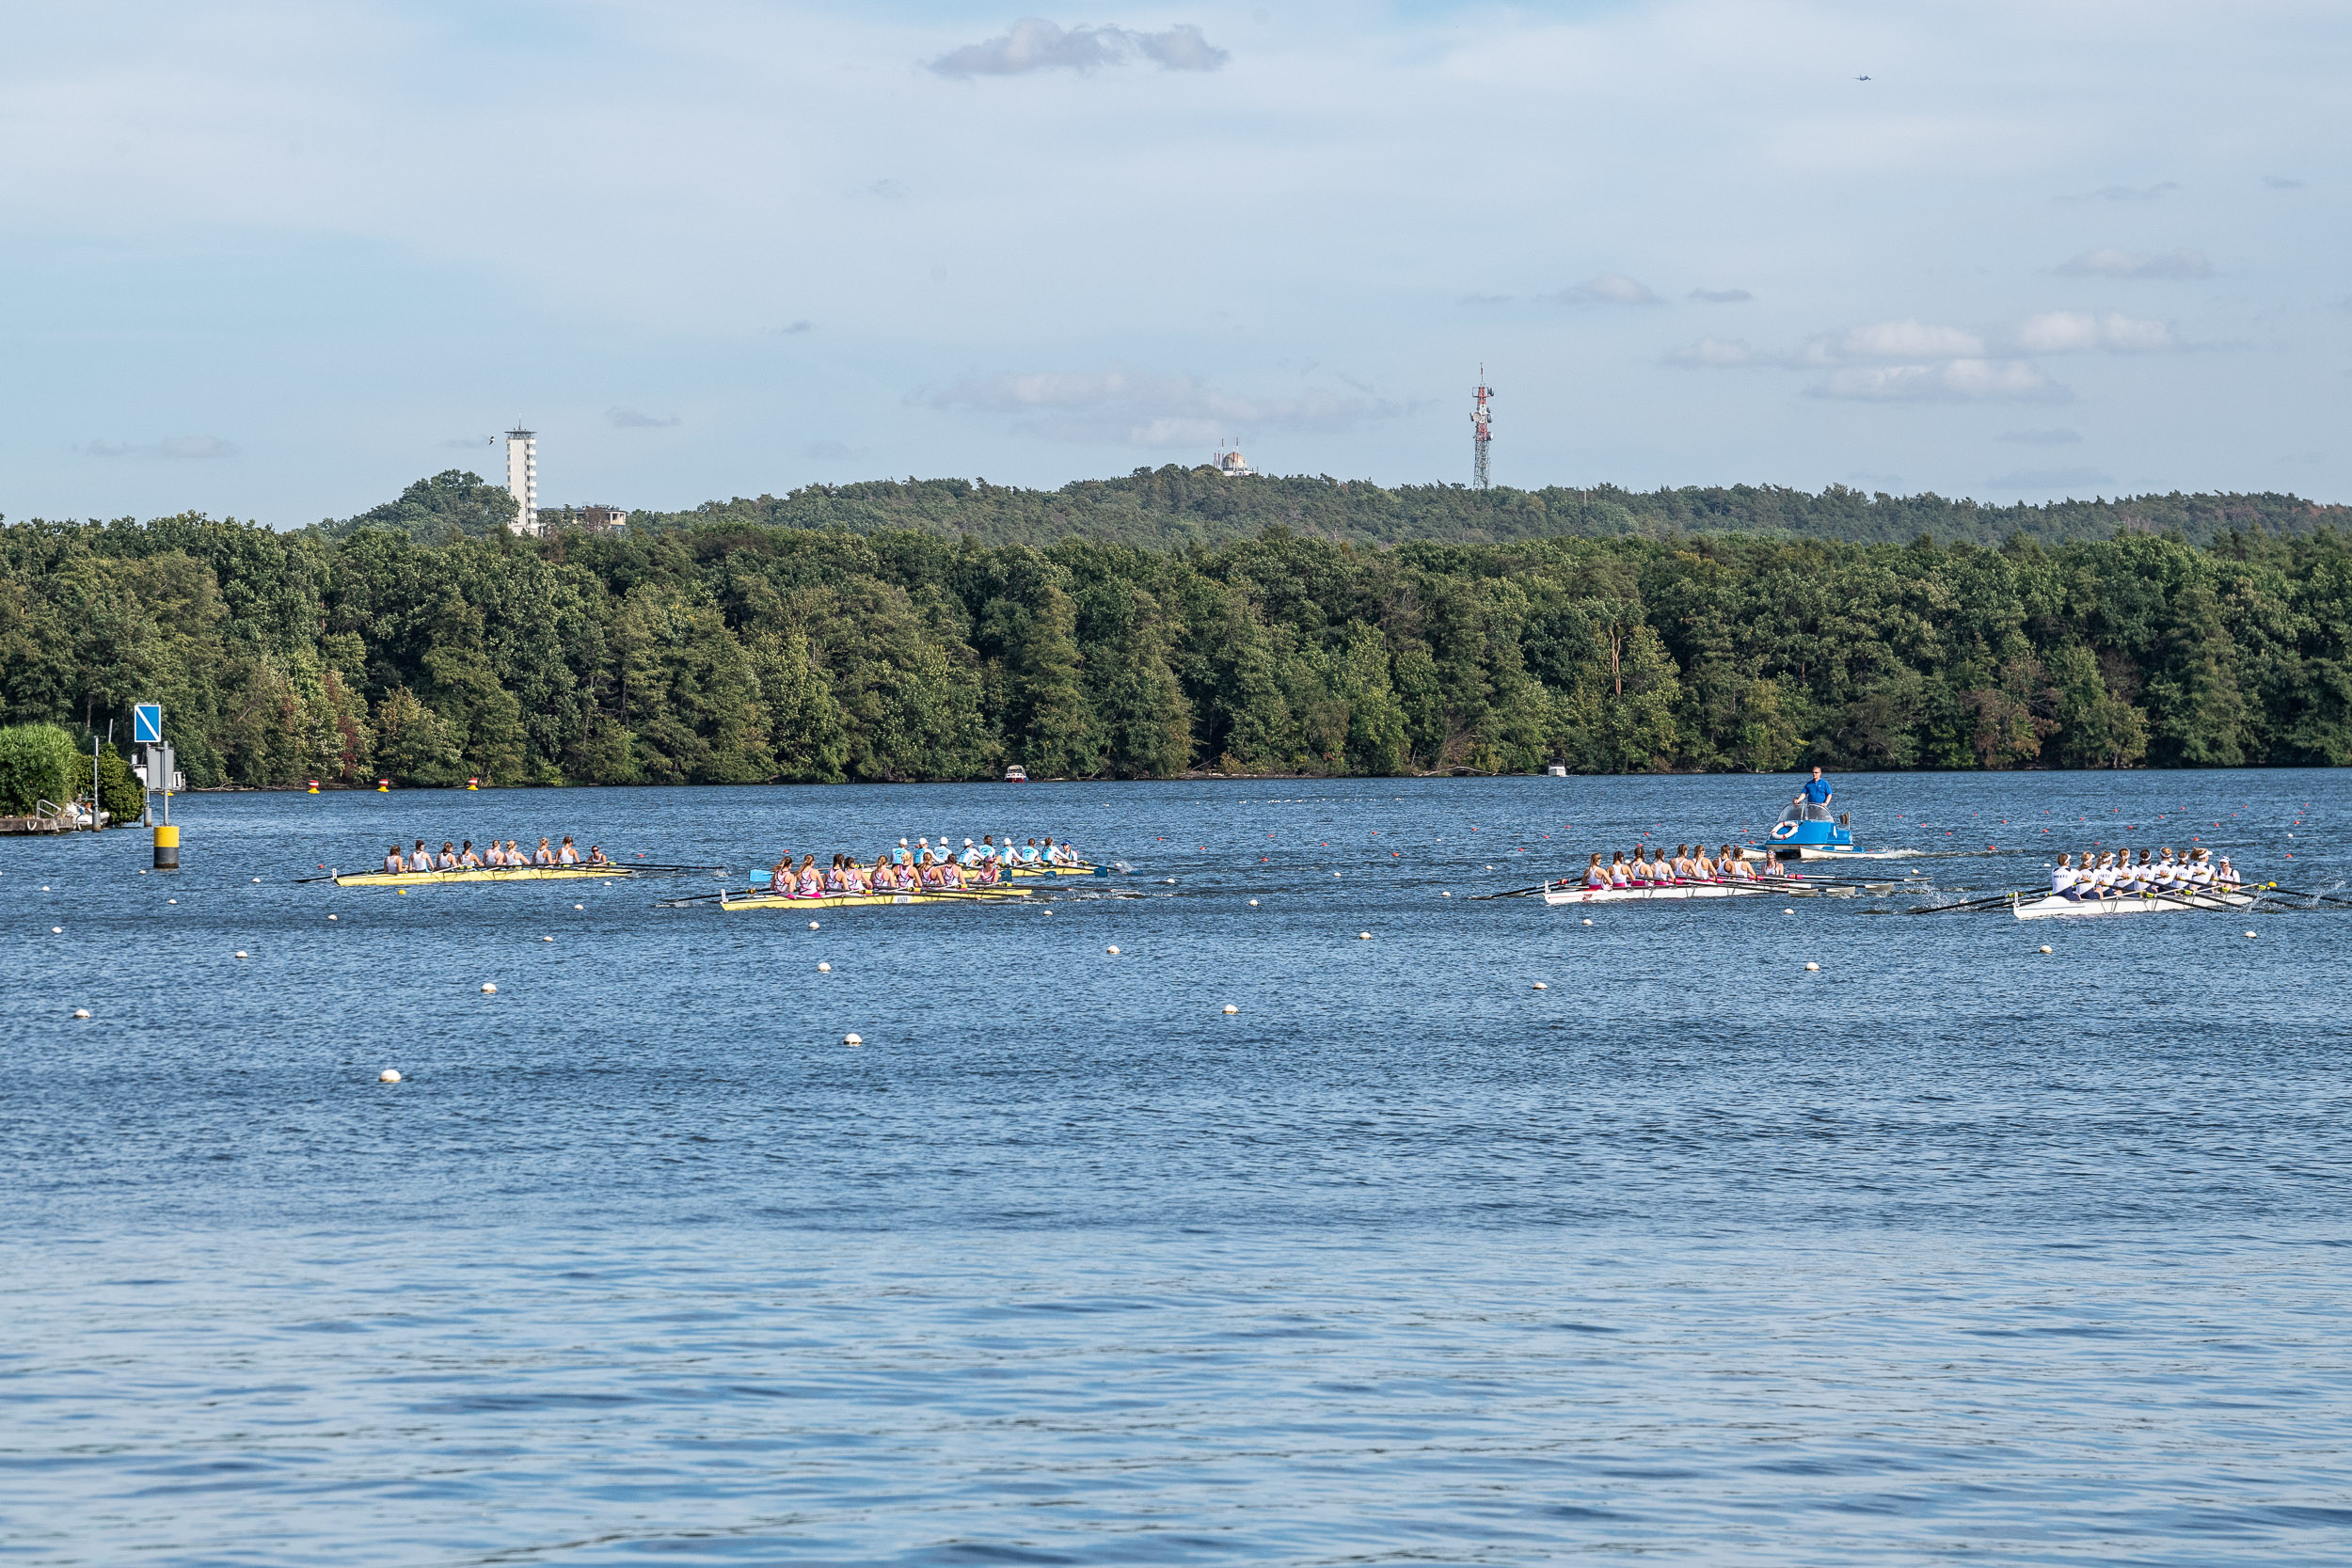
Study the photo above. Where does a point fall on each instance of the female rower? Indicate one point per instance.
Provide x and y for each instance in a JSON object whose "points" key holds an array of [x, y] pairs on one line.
{"points": [[812, 882], [447, 859], [1596, 874], [393, 864], [1618, 875], [466, 856], [951, 875], [420, 858], [568, 855], [544, 857], [933, 874], [1734, 866], [835, 881]]}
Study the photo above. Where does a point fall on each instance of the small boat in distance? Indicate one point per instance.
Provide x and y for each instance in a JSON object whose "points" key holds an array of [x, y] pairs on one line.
{"points": [[1016, 774]]}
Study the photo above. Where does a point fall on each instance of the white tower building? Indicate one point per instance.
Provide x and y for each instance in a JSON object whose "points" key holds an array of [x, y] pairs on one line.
{"points": [[522, 479]]}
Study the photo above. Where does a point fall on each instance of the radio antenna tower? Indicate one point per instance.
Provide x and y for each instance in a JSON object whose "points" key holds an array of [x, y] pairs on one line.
{"points": [[1482, 429]]}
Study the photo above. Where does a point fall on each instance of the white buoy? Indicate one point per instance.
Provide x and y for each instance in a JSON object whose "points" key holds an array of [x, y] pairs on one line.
{"points": [[257, 878], [2249, 933], [330, 917], [824, 969], [1171, 882], [1253, 903], [1112, 951], [389, 1075], [84, 1012], [1363, 936], [1540, 986], [812, 925], [1445, 895], [487, 989], [580, 906], [546, 939], [2045, 948], [1787, 911], [239, 952], [1588, 922], [44, 887], [1813, 969], [175, 901], [1045, 911], [851, 1039], [1228, 1007]]}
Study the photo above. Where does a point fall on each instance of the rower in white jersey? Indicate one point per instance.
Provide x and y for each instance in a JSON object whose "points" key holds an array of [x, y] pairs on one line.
{"points": [[2063, 882]]}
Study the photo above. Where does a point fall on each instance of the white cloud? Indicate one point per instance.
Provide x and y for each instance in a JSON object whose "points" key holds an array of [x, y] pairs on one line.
{"points": [[2112, 262], [2126, 193], [1037, 44], [2075, 331], [1116, 406], [1715, 354], [1902, 340], [1969, 380], [2052, 479], [1607, 287], [197, 448]]}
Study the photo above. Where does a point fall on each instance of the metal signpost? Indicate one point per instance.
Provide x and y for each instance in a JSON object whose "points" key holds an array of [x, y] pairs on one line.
{"points": [[157, 773]]}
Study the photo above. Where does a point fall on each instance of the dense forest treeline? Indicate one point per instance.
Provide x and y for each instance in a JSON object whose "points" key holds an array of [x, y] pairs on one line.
{"points": [[736, 653], [1170, 507]]}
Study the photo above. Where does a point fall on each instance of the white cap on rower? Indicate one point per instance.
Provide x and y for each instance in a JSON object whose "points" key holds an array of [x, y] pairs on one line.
{"points": [[902, 843], [967, 843]]}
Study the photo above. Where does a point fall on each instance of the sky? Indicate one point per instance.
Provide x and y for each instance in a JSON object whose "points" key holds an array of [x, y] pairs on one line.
{"points": [[276, 259]]}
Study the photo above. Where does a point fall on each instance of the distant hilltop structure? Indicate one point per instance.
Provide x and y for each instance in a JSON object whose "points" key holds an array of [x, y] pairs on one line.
{"points": [[584, 519], [1481, 428], [1232, 464], [522, 480]]}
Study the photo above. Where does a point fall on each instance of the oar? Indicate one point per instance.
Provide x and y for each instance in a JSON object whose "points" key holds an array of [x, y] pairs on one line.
{"points": [[1514, 892], [1970, 904], [2303, 893]]}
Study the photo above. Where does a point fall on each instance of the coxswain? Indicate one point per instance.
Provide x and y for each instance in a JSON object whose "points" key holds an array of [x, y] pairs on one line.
{"points": [[2225, 875], [421, 860], [393, 864], [1596, 874], [596, 855]]}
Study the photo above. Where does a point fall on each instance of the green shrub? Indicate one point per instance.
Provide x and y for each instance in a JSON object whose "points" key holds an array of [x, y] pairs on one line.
{"points": [[36, 762]]}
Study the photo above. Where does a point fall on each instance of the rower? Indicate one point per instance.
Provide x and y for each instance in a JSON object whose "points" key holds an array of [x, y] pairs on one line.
{"points": [[1701, 867], [1618, 875], [1735, 866], [568, 855], [466, 859], [1595, 874], [2062, 878], [1030, 855], [812, 881], [544, 857], [421, 860], [446, 860], [393, 865]]}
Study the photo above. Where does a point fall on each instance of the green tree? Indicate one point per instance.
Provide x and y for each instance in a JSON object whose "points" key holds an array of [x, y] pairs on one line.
{"points": [[37, 763]]}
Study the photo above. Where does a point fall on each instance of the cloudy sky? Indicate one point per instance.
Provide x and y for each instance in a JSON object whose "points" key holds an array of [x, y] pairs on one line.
{"points": [[275, 260]]}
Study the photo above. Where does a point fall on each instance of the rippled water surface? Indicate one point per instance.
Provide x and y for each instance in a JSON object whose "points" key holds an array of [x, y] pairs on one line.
{"points": [[1952, 1250]]}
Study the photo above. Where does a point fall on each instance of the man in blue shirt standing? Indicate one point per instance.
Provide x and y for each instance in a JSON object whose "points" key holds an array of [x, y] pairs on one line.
{"points": [[1814, 798]]}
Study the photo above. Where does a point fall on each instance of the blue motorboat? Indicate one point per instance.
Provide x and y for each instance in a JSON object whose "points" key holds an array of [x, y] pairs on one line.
{"points": [[1810, 832]]}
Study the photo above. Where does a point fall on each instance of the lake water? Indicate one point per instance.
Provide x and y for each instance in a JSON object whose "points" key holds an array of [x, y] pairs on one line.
{"points": [[1951, 1251]]}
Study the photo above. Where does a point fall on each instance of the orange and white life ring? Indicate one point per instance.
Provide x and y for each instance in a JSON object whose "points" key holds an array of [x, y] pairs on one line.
{"points": [[1785, 830]]}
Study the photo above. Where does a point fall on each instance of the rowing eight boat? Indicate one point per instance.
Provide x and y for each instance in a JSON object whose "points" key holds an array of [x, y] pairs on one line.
{"points": [[1566, 893], [863, 900], [1062, 870], [478, 874], [2053, 907]]}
